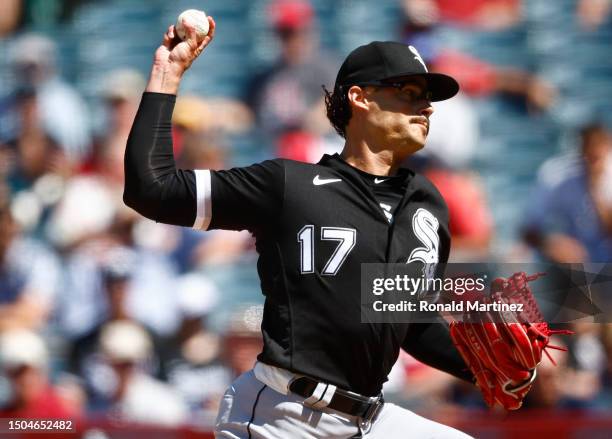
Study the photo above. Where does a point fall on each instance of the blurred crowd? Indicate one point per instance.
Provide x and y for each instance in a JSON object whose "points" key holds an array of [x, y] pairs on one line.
{"points": [[106, 314]]}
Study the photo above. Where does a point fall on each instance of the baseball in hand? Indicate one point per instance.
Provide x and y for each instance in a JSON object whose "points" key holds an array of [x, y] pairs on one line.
{"points": [[195, 18]]}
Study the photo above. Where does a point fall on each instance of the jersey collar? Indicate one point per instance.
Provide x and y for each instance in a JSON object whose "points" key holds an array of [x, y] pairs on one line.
{"points": [[336, 162], [354, 178]]}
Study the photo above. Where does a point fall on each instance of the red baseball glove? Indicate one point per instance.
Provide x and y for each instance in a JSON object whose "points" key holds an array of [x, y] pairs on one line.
{"points": [[501, 348]]}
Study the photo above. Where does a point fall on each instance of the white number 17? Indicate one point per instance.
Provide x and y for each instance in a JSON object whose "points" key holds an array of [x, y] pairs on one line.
{"points": [[346, 241]]}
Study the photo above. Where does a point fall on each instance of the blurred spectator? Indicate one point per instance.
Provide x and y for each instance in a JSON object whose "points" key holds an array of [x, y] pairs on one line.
{"points": [[133, 395], [471, 223], [470, 219], [94, 197], [84, 359], [91, 220], [204, 148], [92, 200], [453, 132], [305, 146], [29, 275], [483, 14], [571, 220], [120, 94], [288, 96], [24, 361], [191, 116], [604, 399], [35, 152], [592, 14], [150, 299], [587, 360], [192, 358], [87, 209], [479, 78], [558, 385], [211, 116], [61, 111], [586, 348], [17, 14], [34, 165], [475, 76]]}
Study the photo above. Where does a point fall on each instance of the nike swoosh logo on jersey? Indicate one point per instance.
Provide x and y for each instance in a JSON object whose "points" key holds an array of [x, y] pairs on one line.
{"points": [[317, 181], [379, 180]]}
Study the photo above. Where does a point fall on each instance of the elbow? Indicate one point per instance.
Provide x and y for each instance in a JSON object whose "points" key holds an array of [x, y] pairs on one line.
{"points": [[129, 200], [143, 202], [136, 195]]}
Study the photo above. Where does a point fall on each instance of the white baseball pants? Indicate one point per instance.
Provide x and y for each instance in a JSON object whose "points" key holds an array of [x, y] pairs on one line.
{"points": [[264, 409]]}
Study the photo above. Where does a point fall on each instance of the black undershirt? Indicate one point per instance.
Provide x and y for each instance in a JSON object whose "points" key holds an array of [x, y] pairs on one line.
{"points": [[388, 190]]}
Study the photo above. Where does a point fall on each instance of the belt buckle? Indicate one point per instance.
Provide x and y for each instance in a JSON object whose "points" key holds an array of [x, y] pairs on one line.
{"points": [[372, 411]]}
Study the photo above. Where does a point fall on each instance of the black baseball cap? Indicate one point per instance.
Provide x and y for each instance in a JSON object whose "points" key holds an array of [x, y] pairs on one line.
{"points": [[390, 62]]}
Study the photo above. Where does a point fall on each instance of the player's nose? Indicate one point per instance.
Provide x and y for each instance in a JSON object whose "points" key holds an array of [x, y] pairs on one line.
{"points": [[427, 110]]}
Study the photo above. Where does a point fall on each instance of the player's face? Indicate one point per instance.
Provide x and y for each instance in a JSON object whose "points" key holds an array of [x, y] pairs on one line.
{"points": [[398, 116]]}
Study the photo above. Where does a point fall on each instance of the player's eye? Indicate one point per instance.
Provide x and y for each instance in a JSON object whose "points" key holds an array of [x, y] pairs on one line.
{"points": [[409, 92]]}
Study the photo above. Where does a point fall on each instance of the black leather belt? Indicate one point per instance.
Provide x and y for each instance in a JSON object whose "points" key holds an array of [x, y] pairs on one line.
{"points": [[343, 401]]}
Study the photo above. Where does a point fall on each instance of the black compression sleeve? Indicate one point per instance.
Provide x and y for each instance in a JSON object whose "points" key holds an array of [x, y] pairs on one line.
{"points": [[431, 344], [153, 185]]}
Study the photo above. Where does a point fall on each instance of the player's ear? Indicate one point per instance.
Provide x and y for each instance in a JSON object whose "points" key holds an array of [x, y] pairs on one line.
{"points": [[358, 97]]}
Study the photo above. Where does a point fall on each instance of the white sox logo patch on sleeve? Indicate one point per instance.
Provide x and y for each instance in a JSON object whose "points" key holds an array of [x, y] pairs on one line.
{"points": [[425, 228]]}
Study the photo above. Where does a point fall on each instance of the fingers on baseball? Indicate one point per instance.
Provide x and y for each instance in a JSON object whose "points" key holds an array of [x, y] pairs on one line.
{"points": [[208, 38], [211, 27], [211, 32], [191, 34], [168, 35], [192, 38], [171, 38]]}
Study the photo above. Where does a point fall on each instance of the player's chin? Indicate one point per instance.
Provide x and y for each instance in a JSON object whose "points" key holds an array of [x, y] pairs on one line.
{"points": [[417, 148], [412, 145], [417, 140], [408, 141]]}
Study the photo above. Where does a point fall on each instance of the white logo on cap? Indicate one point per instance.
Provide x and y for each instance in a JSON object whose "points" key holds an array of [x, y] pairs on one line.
{"points": [[417, 56]]}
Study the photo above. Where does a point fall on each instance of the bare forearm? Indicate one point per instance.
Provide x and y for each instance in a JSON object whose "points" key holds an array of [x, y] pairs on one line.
{"points": [[163, 80]]}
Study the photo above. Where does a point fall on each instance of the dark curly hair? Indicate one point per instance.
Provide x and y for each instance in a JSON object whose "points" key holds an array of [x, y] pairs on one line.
{"points": [[338, 109]]}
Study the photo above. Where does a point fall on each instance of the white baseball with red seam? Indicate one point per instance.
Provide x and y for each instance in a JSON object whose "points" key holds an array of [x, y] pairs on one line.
{"points": [[195, 18]]}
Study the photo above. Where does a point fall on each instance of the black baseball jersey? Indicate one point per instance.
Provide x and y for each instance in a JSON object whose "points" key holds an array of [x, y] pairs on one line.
{"points": [[315, 224]]}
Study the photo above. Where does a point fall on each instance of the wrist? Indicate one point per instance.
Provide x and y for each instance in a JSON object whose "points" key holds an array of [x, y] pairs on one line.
{"points": [[164, 80]]}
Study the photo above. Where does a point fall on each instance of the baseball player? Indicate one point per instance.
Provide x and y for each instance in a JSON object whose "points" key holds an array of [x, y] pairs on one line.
{"points": [[321, 371]]}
